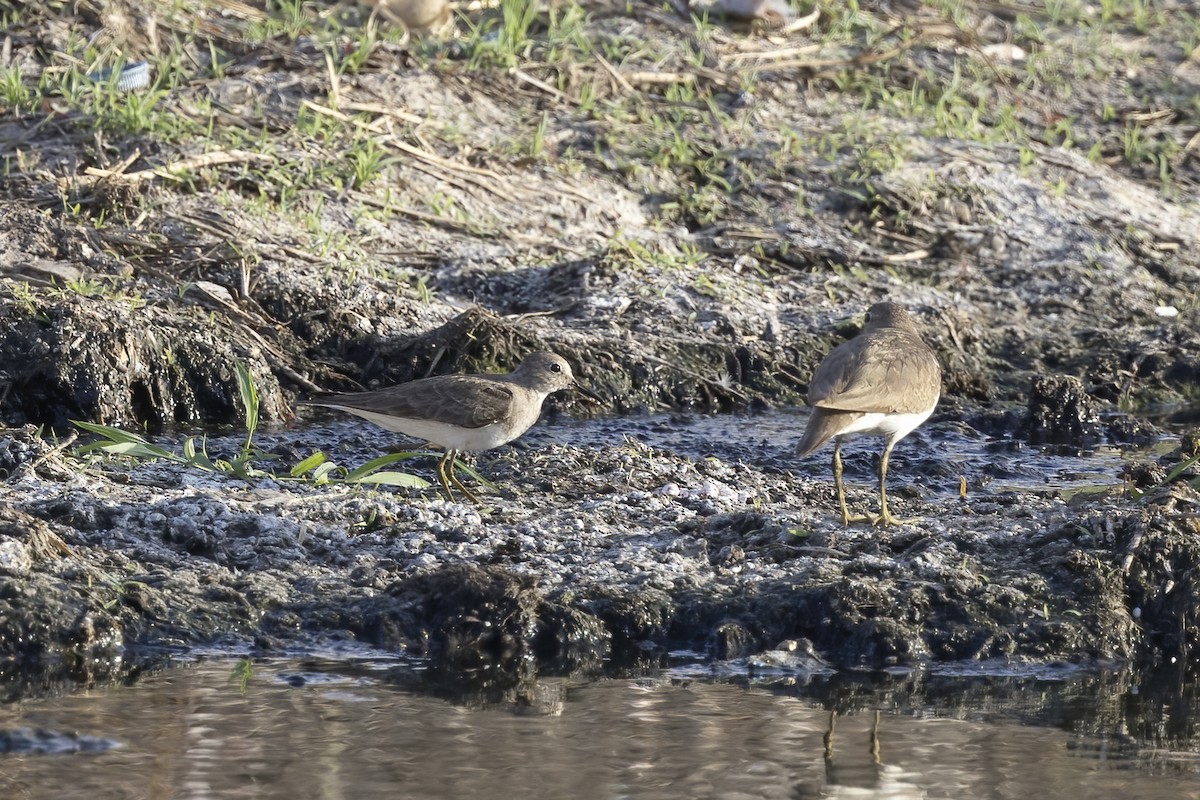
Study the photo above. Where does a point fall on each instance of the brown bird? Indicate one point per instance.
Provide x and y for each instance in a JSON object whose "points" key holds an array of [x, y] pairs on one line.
{"points": [[418, 16], [885, 381], [461, 412]]}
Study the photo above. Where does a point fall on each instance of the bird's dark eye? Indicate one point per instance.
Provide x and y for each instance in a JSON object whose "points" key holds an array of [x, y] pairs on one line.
{"points": [[867, 318], [556, 367]]}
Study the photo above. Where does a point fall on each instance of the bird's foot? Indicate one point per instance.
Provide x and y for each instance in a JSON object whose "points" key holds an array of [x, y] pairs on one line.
{"points": [[446, 477], [886, 518], [850, 519], [459, 484]]}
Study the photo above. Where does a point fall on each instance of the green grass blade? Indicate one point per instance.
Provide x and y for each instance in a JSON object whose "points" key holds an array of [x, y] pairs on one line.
{"points": [[109, 432], [401, 479], [132, 450], [249, 396], [121, 443], [312, 462], [321, 473], [199, 455], [374, 464], [471, 471], [1179, 468]]}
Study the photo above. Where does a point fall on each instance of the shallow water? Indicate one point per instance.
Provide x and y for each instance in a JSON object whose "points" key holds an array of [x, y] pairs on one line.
{"points": [[321, 729], [385, 728], [935, 456], [935, 459]]}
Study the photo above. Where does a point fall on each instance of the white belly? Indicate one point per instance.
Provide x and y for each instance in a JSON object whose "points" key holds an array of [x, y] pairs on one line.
{"points": [[441, 434], [893, 426]]}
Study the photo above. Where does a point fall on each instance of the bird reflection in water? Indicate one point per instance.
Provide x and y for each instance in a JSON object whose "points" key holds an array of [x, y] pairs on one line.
{"points": [[852, 776]]}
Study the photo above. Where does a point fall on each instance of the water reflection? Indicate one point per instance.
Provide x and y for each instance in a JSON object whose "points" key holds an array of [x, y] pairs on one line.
{"points": [[359, 730], [936, 455]]}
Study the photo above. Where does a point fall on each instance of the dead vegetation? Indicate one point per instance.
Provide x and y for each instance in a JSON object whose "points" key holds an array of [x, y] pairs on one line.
{"points": [[680, 204]]}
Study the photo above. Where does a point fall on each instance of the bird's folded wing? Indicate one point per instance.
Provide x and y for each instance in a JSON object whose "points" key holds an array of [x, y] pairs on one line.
{"points": [[882, 376], [453, 399]]}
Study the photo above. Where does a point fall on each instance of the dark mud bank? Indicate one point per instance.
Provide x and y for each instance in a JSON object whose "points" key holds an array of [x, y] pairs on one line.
{"points": [[591, 555], [693, 238]]}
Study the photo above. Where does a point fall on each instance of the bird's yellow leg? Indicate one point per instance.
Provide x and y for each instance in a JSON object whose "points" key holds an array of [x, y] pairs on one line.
{"points": [[841, 490], [885, 516], [470, 495], [441, 473]]}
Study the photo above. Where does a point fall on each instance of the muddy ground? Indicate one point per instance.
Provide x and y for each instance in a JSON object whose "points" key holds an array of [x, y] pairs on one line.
{"points": [[692, 213]]}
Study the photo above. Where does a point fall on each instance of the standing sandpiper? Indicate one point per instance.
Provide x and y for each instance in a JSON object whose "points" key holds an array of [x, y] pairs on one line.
{"points": [[461, 412], [884, 381]]}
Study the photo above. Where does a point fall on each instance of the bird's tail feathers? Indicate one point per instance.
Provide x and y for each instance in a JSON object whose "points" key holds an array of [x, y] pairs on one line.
{"points": [[323, 399], [823, 425]]}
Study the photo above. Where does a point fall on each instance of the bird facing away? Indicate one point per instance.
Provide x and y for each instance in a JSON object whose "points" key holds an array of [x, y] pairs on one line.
{"points": [[461, 412], [885, 381]]}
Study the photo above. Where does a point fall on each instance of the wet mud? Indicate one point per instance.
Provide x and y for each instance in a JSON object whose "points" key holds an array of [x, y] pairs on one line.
{"points": [[695, 533]]}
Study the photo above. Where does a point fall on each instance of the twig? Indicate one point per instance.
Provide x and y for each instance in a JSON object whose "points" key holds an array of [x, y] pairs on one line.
{"points": [[31, 466], [326, 111], [712, 382], [223, 234], [435, 219], [545, 87], [1135, 541], [300, 254], [903, 258], [380, 108], [14, 143], [802, 23], [616, 76], [335, 90], [861, 59], [952, 329], [585, 200], [127, 162], [470, 175], [659, 77], [816, 551], [517, 319], [773, 55], [431, 158], [169, 171], [286, 371], [505, 190]]}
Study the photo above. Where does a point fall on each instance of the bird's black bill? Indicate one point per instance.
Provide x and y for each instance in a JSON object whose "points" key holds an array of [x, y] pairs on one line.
{"points": [[588, 394]]}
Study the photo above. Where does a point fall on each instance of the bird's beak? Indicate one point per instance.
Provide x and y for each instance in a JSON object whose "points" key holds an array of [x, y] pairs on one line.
{"points": [[588, 394]]}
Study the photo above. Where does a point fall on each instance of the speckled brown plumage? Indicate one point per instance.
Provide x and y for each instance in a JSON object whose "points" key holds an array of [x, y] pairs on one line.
{"points": [[885, 381], [461, 412]]}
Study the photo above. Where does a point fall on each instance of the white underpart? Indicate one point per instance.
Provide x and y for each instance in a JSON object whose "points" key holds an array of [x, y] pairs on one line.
{"points": [[893, 426], [448, 436]]}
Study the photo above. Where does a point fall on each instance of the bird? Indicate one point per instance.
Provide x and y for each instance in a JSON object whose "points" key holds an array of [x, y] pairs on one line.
{"points": [[461, 412], [885, 381], [417, 16], [775, 13]]}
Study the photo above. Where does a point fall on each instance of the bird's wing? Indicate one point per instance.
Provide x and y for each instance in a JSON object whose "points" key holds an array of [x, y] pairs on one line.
{"points": [[892, 373], [453, 399]]}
